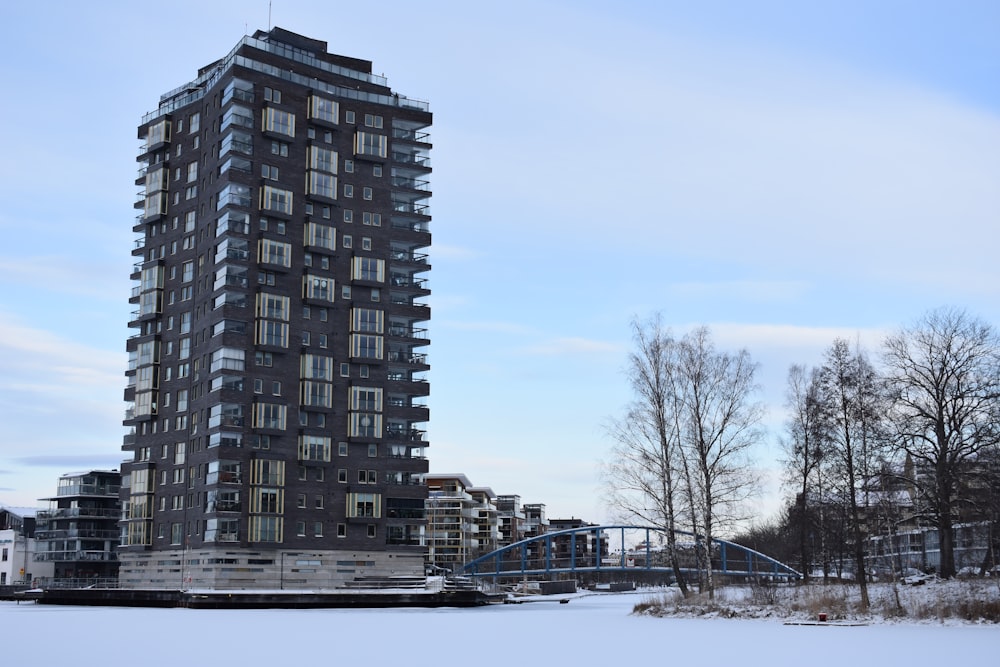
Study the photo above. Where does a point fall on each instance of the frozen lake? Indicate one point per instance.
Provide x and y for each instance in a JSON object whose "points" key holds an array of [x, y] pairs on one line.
{"points": [[592, 630]]}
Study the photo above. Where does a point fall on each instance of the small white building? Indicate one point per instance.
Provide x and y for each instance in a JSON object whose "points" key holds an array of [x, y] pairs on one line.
{"points": [[18, 548]]}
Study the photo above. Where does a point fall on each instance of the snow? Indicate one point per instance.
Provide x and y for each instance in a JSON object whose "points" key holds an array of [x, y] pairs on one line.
{"points": [[589, 630]]}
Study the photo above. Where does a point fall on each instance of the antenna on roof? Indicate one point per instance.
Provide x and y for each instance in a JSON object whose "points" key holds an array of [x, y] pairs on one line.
{"points": [[269, 15]]}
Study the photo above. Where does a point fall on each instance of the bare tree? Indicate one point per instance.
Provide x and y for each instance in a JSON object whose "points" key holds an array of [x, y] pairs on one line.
{"points": [[643, 478], [945, 376], [848, 390], [720, 424], [804, 450]]}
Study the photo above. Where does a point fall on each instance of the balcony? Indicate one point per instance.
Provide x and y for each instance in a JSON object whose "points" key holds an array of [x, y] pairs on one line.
{"points": [[77, 533], [412, 159], [87, 490], [411, 183], [75, 512], [411, 225], [407, 357], [406, 300], [407, 134], [405, 434], [408, 256], [404, 402], [408, 283], [411, 208], [76, 555], [403, 331]]}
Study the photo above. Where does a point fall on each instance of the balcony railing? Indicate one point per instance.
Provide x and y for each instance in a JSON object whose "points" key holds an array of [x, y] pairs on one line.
{"points": [[77, 533], [411, 225], [76, 555], [410, 207], [73, 512], [411, 183], [405, 434], [87, 490], [410, 135], [404, 300], [407, 332], [404, 403], [407, 358], [398, 280], [412, 159], [408, 256]]}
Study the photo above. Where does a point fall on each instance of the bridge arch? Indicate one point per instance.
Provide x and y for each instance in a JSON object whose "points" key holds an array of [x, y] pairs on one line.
{"points": [[580, 550]]}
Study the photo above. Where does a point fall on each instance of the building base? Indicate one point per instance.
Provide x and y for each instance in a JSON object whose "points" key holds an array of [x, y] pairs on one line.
{"points": [[260, 569]]}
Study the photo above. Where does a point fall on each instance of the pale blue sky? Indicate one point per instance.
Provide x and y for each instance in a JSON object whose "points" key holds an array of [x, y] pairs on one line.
{"points": [[783, 172]]}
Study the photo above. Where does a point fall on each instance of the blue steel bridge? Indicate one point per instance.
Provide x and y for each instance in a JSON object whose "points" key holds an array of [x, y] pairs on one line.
{"points": [[580, 550]]}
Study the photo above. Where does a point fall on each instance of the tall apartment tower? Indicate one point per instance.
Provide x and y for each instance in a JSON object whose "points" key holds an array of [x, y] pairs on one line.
{"points": [[276, 383]]}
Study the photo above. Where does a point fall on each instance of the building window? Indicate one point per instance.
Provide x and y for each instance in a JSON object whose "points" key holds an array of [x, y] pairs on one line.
{"points": [[314, 448], [316, 394], [269, 416], [323, 159], [348, 190], [323, 109], [322, 184], [274, 252], [267, 171], [349, 117], [366, 399], [320, 236], [314, 287], [366, 346], [367, 320], [281, 122], [266, 529], [364, 505], [276, 199], [272, 306], [370, 143], [316, 367], [272, 333], [366, 193], [341, 530], [368, 268], [365, 425]]}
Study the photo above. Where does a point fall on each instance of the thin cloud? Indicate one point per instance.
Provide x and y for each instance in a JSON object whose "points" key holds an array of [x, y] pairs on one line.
{"points": [[453, 252], [572, 346], [785, 336], [746, 290], [486, 326], [71, 461]]}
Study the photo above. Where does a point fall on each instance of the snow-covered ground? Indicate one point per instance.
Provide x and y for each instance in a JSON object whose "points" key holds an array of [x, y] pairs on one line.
{"points": [[592, 630]]}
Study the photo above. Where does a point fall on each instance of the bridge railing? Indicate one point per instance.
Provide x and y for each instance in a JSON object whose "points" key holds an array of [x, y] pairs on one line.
{"points": [[585, 549]]}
